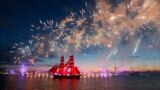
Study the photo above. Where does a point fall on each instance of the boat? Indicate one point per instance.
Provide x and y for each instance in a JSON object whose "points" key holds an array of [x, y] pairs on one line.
{"points": [[65, 70]]}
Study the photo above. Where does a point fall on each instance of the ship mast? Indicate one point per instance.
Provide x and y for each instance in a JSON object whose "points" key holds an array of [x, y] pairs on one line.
{"points": [[62, 62], [71, 62], [65, 68]]}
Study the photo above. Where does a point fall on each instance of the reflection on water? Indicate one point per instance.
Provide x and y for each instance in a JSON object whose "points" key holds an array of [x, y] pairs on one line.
{"points": [[47, 83]]}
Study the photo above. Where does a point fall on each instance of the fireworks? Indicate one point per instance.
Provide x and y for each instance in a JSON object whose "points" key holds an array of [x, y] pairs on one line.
{"points": [[100, 27], [130, 16], [136, 46], [22, 52]]}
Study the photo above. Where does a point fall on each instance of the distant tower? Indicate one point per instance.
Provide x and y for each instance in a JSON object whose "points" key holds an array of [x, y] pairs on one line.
{"points": [[115, 66], [131, 69]]}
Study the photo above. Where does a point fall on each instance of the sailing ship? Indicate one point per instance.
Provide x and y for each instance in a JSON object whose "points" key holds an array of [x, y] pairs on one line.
{"points": [[65, 70]]}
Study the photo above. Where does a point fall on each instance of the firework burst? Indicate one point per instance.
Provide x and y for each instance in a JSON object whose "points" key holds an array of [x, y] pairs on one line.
{"points": [[100, 27], [128, 16]]}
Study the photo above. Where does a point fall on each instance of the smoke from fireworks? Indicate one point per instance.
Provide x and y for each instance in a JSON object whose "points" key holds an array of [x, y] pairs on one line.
{"points": [[101, 27]]}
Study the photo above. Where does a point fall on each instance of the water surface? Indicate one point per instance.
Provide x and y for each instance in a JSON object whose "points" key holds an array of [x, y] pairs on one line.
{"points": [[92, 83]]}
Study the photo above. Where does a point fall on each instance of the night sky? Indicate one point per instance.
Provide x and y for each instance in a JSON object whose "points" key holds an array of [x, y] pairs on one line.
{"points": [[17, 16], [139, 52]]}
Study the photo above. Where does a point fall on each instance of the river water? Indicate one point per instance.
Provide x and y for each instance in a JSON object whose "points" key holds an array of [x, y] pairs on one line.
{"points": [[92, 83]]}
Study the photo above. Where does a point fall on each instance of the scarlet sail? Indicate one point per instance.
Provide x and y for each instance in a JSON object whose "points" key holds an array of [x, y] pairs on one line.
{"points": [[67, 70]]}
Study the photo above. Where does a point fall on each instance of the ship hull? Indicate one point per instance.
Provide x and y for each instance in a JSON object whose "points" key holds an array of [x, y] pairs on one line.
{"points": [[67, 77]]}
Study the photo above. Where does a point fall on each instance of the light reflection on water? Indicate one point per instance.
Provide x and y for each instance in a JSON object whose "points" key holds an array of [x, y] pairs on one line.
{"points": [[105, 83]]}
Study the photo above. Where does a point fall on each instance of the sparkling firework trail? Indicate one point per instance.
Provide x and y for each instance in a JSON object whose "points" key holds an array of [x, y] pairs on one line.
{"points": [[136, 46]]}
